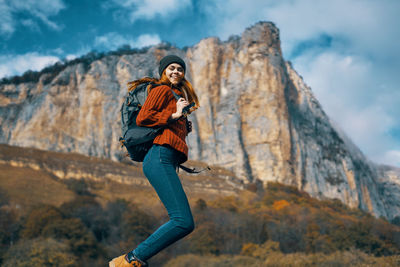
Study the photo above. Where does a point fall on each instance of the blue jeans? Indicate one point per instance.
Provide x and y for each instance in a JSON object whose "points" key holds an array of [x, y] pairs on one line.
{"points": [[159, 166]]}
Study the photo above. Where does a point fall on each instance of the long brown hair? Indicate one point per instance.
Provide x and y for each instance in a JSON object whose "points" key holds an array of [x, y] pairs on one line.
{"points": [[184, 85]]}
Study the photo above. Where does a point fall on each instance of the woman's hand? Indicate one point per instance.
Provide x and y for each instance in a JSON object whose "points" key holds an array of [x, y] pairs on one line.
{"points": [[180, 104]]}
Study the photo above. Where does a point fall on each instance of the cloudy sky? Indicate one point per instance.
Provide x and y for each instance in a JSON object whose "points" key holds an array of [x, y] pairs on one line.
{"points": [[346, 50]]}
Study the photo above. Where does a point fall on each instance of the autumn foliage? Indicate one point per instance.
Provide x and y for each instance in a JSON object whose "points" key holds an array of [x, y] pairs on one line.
{"points": [[278, 224]]}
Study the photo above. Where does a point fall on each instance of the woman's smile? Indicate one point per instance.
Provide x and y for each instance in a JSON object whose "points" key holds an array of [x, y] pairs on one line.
{"points": [[175, 73]]}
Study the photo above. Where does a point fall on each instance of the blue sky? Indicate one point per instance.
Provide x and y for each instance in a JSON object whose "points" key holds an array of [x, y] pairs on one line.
{"points": [[347, 51]]}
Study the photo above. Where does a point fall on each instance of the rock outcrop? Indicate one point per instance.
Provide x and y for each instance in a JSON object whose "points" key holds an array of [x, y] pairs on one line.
{"points": [[258, 118]]}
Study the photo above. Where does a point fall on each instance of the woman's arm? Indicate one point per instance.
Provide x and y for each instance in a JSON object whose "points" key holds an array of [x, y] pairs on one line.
{"points": [[154, 111]]}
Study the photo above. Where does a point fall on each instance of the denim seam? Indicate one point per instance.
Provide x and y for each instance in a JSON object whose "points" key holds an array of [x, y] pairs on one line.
{"points": [[148, 155]]}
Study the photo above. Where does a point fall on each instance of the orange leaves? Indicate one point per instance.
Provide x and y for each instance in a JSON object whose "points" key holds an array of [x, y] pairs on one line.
{"points": [[280, 204]]}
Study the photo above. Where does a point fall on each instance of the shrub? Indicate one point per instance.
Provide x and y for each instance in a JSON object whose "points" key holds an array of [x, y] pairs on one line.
{"points": [[38, 219], [38, 253], [75, 233]]}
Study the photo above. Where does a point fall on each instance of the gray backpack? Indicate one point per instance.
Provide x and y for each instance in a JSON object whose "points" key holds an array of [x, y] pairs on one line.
{"points": [[137, 140]]}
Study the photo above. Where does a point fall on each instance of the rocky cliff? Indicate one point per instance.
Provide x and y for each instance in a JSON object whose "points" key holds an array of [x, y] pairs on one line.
{"points": [[257, 118]]}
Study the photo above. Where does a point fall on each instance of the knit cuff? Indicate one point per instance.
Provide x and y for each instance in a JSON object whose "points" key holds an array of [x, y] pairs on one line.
{"points": [[165, 117], [171, 120]]}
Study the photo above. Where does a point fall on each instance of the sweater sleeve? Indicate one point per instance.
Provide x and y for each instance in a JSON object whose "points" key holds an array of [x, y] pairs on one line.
{"points": [[154, 111]]}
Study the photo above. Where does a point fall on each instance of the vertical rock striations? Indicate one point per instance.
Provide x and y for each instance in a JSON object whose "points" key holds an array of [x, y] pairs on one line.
{"points": [[243, 119], [257, 118]]}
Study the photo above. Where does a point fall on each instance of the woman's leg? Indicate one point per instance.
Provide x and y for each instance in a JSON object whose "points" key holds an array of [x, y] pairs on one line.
{"points": [[159, 167]]}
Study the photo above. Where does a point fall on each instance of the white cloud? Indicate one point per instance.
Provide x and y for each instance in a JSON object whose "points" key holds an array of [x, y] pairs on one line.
{"points": [[113, 40], [392, 157], [336, 78], [353, 94], [233, 16], [71, 57], [369, 24], [15, 65], [149, 9], [146, 40], [37, 10], [7, 24]]}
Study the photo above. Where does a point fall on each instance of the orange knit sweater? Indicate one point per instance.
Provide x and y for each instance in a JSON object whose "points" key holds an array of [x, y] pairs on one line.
{"points": [[157, 109]]}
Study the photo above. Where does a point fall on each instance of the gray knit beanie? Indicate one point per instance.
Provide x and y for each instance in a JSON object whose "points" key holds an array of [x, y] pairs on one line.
{"points": [[165, 61]]}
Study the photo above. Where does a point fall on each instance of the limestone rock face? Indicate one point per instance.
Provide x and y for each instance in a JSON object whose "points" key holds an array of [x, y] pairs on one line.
{"points": [[257, 118], [242, 124]]}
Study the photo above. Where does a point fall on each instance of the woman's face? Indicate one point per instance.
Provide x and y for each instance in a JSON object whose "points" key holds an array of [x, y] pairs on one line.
{"points": [[175, 73]]}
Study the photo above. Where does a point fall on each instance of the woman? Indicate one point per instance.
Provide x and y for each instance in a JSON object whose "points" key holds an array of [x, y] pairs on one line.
{"points": [[168, 151]]}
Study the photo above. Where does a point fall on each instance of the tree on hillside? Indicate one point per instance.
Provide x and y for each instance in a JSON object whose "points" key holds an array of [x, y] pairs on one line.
{"points": [[39, 253], [38, 219]]}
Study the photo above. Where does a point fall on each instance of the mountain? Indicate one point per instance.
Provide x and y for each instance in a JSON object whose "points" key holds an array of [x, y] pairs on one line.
{"points": [[257, 118]]}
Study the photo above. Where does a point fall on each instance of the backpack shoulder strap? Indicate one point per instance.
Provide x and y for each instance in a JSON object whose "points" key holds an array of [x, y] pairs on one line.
{"points": [[189, 170], [175, 94]]}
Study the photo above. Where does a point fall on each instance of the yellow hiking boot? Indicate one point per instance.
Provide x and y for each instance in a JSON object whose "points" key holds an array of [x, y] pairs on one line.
{"points": [[123, 261]]}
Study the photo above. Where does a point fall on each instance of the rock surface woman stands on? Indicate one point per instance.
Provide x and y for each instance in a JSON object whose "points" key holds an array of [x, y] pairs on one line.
{"points": [[168, 151]]}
